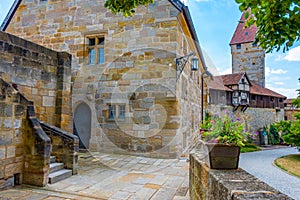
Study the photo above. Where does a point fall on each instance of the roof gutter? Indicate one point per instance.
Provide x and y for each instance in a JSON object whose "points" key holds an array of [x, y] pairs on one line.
{"points": [[10, 15]]}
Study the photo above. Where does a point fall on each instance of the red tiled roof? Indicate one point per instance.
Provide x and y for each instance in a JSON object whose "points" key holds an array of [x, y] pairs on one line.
{"points": [[288, 101], [232, 79], [218, 84], [259, 90], [242, 34], [221, 83]]}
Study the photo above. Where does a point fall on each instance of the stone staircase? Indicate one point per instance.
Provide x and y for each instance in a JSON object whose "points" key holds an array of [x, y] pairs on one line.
{"points": [[57, 171]]}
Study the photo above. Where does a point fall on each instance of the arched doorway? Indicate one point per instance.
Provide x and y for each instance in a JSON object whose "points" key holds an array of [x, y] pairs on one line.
{"points": [[82, 125]]}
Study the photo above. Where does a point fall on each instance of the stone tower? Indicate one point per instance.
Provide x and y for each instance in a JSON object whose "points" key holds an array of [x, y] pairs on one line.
{"points": [[247, 56]]}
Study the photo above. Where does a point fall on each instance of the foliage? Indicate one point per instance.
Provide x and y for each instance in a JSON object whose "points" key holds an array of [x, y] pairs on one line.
{"points": [[206, 123], [296, 102], [224, 129], [283, 126], [290, 130], [278, 22], [273, 135], [126, 7], [249, 148], [293, 136]]}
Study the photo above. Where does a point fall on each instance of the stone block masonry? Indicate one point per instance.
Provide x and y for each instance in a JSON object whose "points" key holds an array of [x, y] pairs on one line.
{"points": [[136, 79], [24, 147], [208, 184], [41, 75]]}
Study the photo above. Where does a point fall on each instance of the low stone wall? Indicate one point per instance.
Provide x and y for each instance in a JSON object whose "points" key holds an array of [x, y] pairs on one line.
{"points": [[237, 184]]}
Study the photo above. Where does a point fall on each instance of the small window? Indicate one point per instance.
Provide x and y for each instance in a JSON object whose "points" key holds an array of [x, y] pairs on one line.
{"points": [[96, 50], [280, 100], [116, 112], [121, 112], [254, 44], [272, 99], [238, 46], [112, 111], [43, 0], [253, 97]]}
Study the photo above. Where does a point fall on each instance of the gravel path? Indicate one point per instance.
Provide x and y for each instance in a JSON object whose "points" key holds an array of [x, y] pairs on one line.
{"points": [[260, 164]]}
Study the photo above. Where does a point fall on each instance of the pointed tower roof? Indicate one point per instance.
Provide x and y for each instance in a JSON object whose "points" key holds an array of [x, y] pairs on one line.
{"points": [[242, 34]]}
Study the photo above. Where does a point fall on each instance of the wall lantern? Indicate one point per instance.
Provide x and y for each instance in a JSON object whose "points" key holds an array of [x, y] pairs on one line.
{"points": [[181, 63], [194, 64]]}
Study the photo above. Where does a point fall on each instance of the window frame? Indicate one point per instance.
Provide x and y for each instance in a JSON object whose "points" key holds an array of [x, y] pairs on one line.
{"points": [[97, 46], [238, 46], [117, 112]]}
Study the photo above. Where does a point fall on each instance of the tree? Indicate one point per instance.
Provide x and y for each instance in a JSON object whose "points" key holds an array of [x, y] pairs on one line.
{"points": [[278, 22], [126, 7], [296, 102]]}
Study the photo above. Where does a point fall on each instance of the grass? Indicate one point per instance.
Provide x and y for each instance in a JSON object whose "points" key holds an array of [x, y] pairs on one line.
{"points": [[249, 148], [290, 164]]}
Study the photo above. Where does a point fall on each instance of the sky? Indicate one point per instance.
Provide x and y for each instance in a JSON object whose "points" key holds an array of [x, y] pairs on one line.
{"points": [[215, 22]]}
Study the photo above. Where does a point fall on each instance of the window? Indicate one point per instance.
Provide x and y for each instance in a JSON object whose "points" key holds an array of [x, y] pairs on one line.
{"points": [[254, 44], [96, 50], [238, 46], [112, 111], [121, 111], [43, 0], [116, 111]]}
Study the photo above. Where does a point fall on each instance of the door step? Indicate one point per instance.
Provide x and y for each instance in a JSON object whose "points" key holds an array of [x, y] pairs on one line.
{"points": [[57, 172], [59, 175]]}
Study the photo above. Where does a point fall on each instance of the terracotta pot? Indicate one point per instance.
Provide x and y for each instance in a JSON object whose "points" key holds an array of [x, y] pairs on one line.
{"points": [[222, 156]]}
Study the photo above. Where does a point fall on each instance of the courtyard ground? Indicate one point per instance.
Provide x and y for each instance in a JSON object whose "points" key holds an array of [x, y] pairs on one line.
{"points": [[115, 177]]}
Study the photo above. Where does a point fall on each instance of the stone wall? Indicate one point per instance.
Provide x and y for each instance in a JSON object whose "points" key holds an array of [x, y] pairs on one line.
{"points": [[24, 147], [41, 75], [139, 71], [254, 118], [249, 59], [208, 184], [290, 112]]}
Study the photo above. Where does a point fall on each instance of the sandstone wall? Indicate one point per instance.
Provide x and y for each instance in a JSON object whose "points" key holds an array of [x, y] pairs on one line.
{"points": [[254, 118], [139, 71], [24, 147], [251, 60], [41, 75]]}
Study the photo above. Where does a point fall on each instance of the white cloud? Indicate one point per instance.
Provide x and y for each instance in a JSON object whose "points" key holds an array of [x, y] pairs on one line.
{"points": [[293, 54], [269, 71], [224, 71], [288, 92], [279, 83]]}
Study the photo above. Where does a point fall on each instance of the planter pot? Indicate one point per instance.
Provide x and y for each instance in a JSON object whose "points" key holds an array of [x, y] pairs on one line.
{"points": [[221, 156]]}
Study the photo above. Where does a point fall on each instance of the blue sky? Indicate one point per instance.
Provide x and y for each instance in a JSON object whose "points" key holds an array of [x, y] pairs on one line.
{"points": [[215, 22]]}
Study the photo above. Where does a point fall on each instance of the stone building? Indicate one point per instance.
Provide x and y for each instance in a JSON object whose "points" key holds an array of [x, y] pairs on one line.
{"points": [[290, 110], [242, 93], [134, 89], [247, 56], [256, 106]]}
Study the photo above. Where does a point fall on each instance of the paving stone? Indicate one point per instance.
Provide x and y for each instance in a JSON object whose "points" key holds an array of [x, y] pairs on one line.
{"points": [[164, 193], [120, 195], [144, 193]]}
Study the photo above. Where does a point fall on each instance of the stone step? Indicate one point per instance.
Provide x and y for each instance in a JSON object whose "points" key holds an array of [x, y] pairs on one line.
{"points": [[56, 166], [52, 159], [59, 175]]}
